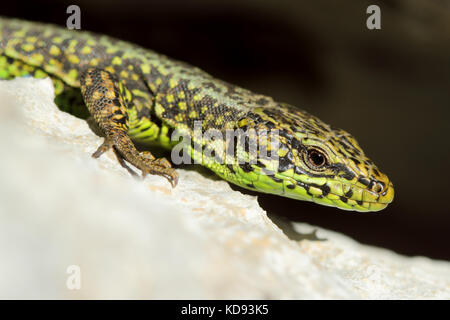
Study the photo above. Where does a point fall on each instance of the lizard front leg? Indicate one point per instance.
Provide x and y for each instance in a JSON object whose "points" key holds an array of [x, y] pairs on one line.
{"points": [[108, 107]]}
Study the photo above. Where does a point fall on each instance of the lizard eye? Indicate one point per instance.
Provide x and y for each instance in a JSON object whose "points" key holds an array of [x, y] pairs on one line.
{"points": [[316, 159]]}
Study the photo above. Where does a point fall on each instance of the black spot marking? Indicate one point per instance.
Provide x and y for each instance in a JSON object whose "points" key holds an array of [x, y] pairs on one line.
{"points": [[246, 143], [268, 112], [260, 164], [296, 144], [255, 117], [170, 131], [230, 167], [364, 181], [343, 199], [246, 167], [299, 171], [118, 112], [285, 134], [348, 175], [122, 120], [303, 185], [269, 124], [116, 101], [349, 193], [277, 180], [285, 163], [340, 167], [325, 189]]}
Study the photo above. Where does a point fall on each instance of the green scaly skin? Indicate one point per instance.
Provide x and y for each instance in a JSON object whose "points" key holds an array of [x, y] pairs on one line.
{"points": [[148, 96]]}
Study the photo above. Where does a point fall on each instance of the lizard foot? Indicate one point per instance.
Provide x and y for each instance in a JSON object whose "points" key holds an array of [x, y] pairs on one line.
{"points": [[160, 166], [144, 161]]}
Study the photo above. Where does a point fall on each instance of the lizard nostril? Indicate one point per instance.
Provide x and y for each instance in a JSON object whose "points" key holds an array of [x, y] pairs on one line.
{"points": [[378, 187]]}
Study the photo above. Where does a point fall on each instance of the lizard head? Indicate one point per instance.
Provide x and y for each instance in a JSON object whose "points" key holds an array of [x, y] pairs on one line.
{"points": [[316, 162]]}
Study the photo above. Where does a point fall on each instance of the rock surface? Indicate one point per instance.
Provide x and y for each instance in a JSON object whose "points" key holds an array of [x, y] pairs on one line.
{"points": [[142, 239]]}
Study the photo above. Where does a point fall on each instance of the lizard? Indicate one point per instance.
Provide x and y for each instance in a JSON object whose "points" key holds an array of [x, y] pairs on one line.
{"points": [[135, 95]]}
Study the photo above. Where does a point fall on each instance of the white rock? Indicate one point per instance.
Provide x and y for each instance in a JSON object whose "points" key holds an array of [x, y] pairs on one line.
{"points": [[142, 239]]}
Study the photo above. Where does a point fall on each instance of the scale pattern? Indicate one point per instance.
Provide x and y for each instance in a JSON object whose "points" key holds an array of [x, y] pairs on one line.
{"points": [[137, 95]]}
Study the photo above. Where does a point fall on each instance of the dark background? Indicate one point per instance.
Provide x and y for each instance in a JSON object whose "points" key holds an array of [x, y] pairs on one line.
{"points": [[390, 88]]}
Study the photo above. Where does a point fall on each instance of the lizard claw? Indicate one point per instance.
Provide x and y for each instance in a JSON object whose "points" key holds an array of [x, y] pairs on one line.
{"points": [[163, 168]]}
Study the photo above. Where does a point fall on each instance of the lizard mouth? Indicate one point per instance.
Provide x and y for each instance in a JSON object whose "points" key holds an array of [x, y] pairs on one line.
{"points": [[360, 199], [355, 198], [329, 192], [340, 193]]}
